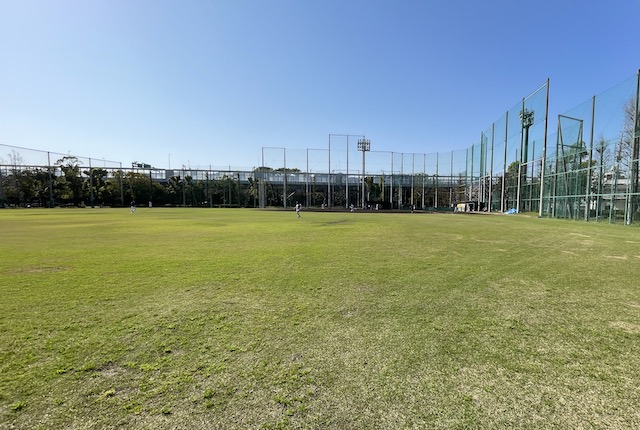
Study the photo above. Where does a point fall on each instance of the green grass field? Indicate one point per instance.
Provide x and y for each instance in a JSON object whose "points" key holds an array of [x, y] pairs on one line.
{"points": [[246, 319]]}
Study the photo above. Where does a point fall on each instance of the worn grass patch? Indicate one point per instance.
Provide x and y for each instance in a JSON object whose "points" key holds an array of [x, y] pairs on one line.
{"points": [[234, 319]]}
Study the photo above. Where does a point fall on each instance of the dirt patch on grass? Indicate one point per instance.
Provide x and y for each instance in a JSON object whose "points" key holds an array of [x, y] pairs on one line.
{"points": [[340, 221], [578, 234], [36, 270], [111, 370], [626, 326]]}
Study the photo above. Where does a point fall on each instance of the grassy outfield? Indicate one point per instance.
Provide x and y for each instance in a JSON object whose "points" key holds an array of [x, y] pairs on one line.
{"points": [[236, 319]]}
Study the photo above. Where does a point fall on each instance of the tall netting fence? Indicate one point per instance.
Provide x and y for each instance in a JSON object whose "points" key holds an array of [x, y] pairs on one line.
{"points": [[592, 171], [582, 165]]}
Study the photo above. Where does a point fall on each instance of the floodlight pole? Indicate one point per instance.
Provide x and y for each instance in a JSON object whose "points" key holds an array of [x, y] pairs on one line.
{"points": [[364, 145], [329, 176], [526, 119]]}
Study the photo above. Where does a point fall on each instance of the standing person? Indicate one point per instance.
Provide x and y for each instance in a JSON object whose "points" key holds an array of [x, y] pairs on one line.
{"points": [[133, 206], [297, 210]]}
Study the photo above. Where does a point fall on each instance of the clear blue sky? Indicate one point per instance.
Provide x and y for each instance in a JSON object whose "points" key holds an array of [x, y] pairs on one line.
{"points": [[212, 82]]}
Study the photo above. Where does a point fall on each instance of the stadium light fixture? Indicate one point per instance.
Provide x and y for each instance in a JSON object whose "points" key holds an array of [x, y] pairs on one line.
{"points": [[526, 119], [364, 145]]}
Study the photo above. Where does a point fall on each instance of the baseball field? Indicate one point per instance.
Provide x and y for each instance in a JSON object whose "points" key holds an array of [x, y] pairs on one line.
{"points": [[173, 318]]}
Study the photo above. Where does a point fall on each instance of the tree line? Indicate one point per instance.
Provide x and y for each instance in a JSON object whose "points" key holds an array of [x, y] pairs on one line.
{"points": [[69, 184]]}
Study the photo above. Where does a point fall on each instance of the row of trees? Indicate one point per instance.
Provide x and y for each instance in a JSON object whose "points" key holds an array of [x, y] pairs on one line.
{"points": [[68, 184]]}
